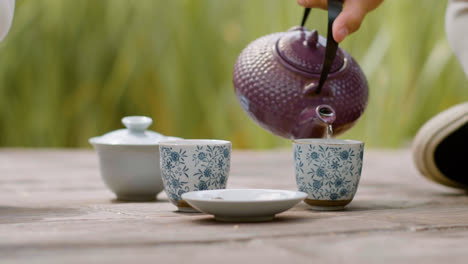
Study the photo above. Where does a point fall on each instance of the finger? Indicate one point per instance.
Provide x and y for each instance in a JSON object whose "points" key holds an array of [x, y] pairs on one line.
{"points": [[347, 22], [314, 3]]}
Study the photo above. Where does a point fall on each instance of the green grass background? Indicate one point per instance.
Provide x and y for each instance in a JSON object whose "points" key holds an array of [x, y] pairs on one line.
{"points": [[69, 70]]}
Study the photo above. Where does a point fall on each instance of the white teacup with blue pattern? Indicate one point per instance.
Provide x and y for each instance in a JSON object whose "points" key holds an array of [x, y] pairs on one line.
{"points": [[193, 165], [328, 170]]}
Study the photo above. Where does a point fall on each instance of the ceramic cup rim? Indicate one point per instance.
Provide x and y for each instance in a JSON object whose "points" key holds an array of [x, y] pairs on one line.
{"points": [[324, 141], [194, 142]]}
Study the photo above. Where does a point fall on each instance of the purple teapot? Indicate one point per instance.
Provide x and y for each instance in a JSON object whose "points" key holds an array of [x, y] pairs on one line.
{"points": [[276, 81]]}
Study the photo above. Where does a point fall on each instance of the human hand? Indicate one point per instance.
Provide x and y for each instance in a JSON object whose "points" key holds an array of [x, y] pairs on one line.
{"points": [[350, 18]]}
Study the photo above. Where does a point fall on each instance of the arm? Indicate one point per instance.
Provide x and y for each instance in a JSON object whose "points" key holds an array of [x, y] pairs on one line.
{"points": [[7, 8], [350, 18]]}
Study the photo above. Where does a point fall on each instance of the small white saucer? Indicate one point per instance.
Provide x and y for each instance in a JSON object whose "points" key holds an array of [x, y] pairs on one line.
{"points": [[243, 205]]}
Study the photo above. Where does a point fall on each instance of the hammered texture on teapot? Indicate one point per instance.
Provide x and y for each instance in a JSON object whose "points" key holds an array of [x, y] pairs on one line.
{"points": [[275, 77]]}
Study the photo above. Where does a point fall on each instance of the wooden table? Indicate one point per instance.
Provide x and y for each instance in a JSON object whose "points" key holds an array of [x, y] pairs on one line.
{"points": [[54, 208]]}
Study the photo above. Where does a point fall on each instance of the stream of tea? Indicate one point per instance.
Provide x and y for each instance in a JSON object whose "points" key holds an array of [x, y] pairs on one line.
{"points": [[329, 133]]}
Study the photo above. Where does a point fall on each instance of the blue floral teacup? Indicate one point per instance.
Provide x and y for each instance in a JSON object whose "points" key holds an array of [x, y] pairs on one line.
{"points": [[328, 170], [193, 165]]}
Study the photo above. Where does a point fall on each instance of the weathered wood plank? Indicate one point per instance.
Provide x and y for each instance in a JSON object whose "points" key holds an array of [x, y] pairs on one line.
{"points": [[54, 208]]}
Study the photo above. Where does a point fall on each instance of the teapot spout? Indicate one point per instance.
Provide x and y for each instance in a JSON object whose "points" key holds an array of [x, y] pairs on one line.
{"points": [[313, 122]]}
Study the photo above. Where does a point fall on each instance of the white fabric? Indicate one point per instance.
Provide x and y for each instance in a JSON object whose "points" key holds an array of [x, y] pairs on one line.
{"points": [[7, 8], [456, 26]]}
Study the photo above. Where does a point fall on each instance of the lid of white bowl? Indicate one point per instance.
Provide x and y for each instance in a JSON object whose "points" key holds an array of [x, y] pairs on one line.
{"points": [[134, 134]]}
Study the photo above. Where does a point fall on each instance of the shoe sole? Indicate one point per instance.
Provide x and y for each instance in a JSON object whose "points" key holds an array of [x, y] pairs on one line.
{"points": [[431, 135]]}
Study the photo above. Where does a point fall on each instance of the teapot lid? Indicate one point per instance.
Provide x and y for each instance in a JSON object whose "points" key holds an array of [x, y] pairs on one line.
{"points": [[304, 50], [134, 134]]}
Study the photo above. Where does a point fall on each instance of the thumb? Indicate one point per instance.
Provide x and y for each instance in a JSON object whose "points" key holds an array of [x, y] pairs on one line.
{"points": [[348, 21]]}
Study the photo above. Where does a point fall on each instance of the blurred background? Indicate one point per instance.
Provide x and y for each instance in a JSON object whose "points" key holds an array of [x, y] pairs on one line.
{"points": [[69, 70]]}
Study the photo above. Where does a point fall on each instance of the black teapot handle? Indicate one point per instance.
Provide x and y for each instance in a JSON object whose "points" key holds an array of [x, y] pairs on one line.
{"points": [[304, 17], [334, 9]]}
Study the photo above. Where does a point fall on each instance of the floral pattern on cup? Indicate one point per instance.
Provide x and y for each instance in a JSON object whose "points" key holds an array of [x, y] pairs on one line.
{"points": [[194, 168], [328, 172]]}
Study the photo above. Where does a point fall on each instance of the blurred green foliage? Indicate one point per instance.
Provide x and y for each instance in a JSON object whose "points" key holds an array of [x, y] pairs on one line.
{"points": [[69, 70]]}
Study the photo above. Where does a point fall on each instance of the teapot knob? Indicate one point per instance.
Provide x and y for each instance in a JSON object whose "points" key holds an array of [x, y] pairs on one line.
{"points": [[137, 124], [312, 39]]}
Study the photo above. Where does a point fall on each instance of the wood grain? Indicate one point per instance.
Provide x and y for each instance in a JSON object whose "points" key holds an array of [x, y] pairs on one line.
{"points": [[54, 208]]}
